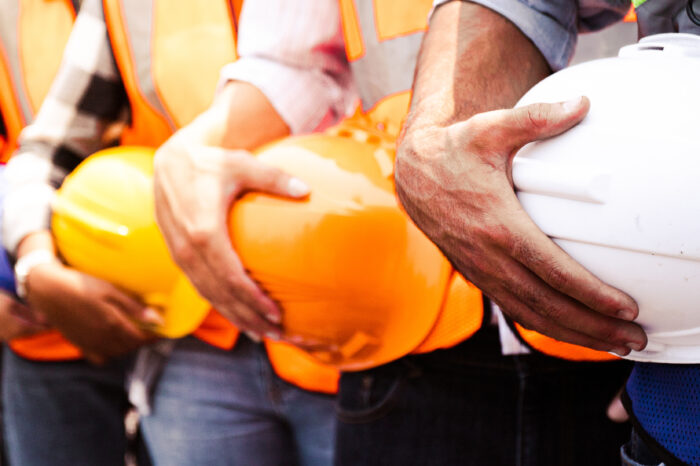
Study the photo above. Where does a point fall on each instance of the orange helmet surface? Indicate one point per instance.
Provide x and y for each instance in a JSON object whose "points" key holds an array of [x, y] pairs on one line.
{"points": [[357, 281]]}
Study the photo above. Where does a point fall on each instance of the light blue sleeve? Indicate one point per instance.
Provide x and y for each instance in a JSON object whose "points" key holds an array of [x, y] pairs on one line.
{"points": [[553, 25]]}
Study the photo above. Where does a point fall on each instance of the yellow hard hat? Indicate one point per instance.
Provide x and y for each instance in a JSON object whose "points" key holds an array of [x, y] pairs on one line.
{"points": [[104, 225], [354, 277]]}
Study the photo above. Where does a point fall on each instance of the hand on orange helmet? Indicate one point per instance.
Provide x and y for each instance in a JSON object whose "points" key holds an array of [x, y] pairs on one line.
{"points": [[101, 320], [196, 180], [455, 182]]}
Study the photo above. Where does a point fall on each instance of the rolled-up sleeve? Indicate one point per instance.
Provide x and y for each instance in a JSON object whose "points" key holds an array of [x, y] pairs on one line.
{"points": [[296, 57], [553, 25]]}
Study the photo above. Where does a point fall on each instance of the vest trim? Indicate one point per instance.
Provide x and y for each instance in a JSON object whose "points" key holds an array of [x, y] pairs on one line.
{"points": [[377, 80], [9, 35], [138, 20]]}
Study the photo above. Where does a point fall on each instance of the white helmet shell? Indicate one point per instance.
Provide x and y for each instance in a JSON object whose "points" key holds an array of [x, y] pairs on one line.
{"points": [[620, 192]]}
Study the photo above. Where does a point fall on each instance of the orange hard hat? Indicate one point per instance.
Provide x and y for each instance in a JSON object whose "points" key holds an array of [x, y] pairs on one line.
{"points": [[357, 281]]}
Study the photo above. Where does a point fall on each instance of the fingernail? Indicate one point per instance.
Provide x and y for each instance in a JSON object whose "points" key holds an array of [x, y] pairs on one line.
{"points": [[572, 104], [297, 188], [621, 351], [295, 339], [634, 346], [625, 314], [276, 318], [272, 336], [254, 336], [152, 316]]}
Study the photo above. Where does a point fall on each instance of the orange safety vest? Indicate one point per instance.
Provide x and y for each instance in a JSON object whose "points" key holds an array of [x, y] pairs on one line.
{"points": [[382, 40], [169, 54], [33, 34]]}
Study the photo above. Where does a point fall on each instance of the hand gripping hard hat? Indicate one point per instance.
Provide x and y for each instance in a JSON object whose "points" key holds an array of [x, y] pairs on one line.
{"points": [[104, 225], [7, 275], [357, 281], [619, 192]]}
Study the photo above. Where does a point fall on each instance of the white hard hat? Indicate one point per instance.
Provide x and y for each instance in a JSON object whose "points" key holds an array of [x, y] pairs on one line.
{"points": [[620, 192]]}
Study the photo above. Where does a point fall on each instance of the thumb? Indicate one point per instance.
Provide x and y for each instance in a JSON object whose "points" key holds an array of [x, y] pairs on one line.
{"points": [[616, 410], [541, 121], [261, 177], [509, 130]]}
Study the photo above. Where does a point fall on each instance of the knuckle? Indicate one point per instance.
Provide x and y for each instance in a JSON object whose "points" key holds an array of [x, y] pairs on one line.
{"points": [[183, 254], [536, 117], [611, 333], [492, 233], [531, 299], [476, 131], [556, 276], [605, 303], [103, 294], [236, 280], [477, 124], [518, 246], [199, 235], [552, 313]]}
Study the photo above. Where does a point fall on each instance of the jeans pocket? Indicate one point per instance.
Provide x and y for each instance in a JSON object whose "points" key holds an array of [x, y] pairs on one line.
{"points": [[369, 395]]}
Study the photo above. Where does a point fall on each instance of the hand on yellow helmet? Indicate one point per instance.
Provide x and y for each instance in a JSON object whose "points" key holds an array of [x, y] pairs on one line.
{"points": [[103, 321]]}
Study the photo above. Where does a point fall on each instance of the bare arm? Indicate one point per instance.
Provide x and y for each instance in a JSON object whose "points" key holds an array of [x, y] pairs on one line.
{"points": [[453, 177], [472, 60], [291, 77], [199, 172]]}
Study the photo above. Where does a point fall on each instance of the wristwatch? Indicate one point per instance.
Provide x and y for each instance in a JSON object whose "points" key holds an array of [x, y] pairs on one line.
{"points": [[26, 264]]}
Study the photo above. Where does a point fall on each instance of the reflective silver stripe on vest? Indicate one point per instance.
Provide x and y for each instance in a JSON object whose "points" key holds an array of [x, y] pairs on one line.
{"points": [[386, 67], [9, 21], [138, 20]]}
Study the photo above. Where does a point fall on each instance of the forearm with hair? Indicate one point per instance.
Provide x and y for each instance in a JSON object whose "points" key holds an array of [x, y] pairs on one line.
{"points": [[472, 60]]}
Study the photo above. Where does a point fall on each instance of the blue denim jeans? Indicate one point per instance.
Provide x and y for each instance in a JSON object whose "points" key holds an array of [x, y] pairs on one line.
{"points": [[469, 405], [216, 407], [636, 453], [63, 413]]}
